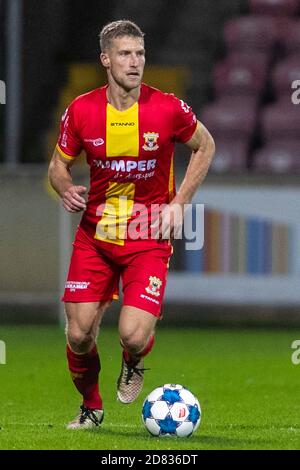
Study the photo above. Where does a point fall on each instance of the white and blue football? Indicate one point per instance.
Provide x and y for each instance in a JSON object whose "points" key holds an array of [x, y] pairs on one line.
{"points": [[171, 410]]}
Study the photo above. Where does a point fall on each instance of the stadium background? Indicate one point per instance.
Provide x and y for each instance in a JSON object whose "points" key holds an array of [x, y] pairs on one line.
{"points": [[234, 62]]}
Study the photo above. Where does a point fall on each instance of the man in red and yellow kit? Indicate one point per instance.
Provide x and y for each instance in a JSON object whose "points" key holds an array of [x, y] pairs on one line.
{"points": [[128, 131]]}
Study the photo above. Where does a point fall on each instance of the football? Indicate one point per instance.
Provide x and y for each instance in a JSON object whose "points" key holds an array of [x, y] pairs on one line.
{"points": [[171, 410]]}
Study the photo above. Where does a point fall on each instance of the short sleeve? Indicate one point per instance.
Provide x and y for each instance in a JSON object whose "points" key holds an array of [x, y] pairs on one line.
{"points": [[185, 121], [69, 143]]}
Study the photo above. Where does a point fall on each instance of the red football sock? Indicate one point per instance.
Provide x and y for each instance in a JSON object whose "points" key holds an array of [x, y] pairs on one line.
{"points": [[134, 359], [84, 369]]}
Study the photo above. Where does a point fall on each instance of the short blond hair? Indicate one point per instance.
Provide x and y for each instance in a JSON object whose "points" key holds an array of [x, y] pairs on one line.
{"points": [[117, 29]]}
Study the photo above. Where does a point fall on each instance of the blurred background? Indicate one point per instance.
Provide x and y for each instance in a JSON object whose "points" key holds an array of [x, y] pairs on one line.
{"points": [[235, 62]]}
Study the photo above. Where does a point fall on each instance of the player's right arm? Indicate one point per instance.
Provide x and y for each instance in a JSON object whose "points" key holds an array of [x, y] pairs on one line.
{"points": [[68, 147], [61, 180]]}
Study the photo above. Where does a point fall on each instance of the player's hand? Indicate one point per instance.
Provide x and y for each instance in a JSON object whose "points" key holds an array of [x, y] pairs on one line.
{"points": [[168, 225], [73, 200]]}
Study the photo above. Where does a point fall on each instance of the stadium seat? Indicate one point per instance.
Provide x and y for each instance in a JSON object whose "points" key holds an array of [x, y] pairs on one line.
{"points": [[274, 7], [291, 37], [284, 74], [251, 33], [282, 157], [228, 121], [244, 78], [280, 122], [249, 102], [249, 58], [230, 156]]}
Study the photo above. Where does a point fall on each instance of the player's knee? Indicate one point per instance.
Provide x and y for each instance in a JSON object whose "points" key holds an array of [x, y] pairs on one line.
{"points": [[80, 341], [134, 342]]}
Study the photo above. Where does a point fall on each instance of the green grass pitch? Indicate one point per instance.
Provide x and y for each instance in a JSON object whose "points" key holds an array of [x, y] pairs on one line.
{"points": [[244, 380]]}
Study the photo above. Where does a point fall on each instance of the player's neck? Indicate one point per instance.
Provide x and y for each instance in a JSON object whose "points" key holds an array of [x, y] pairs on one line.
{"points": [[120, 98]]}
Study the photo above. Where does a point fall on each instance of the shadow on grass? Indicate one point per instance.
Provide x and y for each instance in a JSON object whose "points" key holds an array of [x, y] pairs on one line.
{"points": [[196, 441]]}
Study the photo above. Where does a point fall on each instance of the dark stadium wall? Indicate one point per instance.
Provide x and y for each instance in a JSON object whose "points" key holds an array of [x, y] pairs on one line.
{"points": [[44, 32], [58, 32], [2, 76]]}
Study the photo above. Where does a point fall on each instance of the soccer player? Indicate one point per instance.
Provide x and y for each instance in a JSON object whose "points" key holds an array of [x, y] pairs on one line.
{"points": [[128, 131]]}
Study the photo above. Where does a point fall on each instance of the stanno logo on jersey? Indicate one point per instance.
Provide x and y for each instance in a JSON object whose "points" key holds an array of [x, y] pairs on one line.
{"points": [[95, 142], [150, 141], [154, 286], [122, 123]]}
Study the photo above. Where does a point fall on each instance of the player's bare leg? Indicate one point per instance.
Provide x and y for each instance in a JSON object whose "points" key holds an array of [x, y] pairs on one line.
{"points": [[136, 328], [83, 321]]}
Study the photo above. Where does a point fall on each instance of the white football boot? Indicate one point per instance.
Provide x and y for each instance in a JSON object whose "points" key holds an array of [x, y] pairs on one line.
{"points": [[87, 419], [130, 381]]}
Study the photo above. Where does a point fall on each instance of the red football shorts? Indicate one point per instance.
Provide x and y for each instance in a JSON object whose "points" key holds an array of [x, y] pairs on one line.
{"points": [[96, 268]]}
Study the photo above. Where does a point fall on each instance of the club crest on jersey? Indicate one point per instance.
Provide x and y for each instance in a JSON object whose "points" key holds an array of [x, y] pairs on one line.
{"points": [[154, 286], [150, 141]]}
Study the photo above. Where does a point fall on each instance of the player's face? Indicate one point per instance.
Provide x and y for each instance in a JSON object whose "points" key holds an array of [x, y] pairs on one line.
{"points": [[125, 61]]}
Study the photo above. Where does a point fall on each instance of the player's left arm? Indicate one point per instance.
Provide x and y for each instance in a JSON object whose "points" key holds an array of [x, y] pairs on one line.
{"points": [[203, 150]]}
